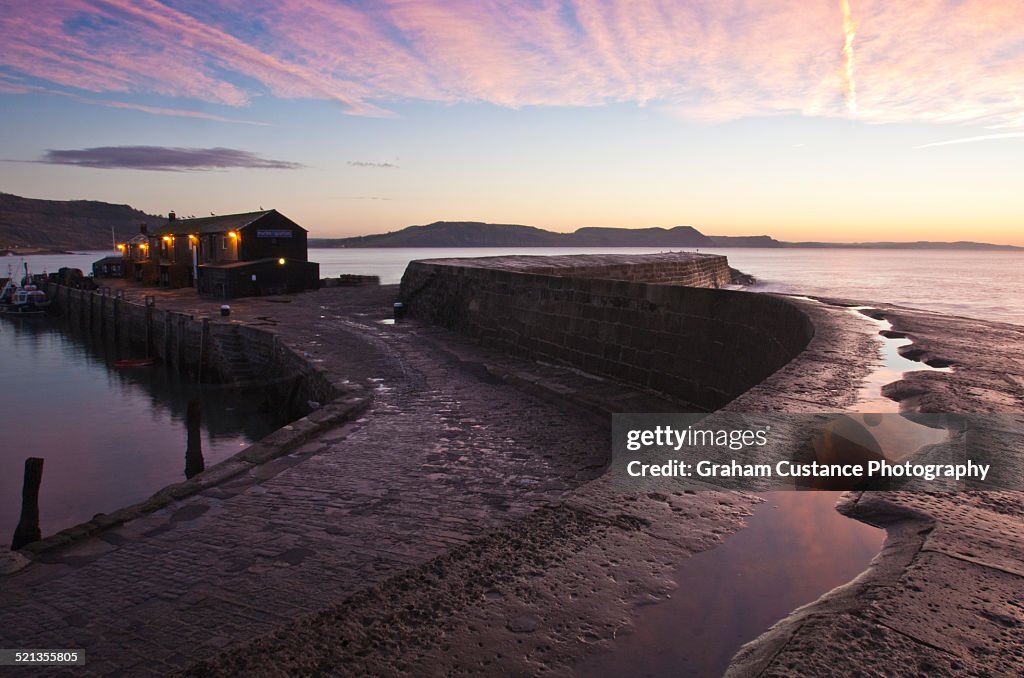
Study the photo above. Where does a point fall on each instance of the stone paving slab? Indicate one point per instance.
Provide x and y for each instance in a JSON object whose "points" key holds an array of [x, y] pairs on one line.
{"points": [[427, 469]]}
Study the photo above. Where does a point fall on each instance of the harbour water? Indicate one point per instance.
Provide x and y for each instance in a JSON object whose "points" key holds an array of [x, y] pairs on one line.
{"points": [[109, 437], [795, 548]]}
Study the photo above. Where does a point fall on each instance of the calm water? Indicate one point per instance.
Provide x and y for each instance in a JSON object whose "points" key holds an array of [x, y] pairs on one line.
{"points": [[986, 285], [794, 549], [109, 437]]}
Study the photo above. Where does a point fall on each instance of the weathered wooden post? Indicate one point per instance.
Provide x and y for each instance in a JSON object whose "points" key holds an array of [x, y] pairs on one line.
{"points": [[167, 337], [117, 320], [28, 525], [194, 462], [150, 302], [182, 353], [103, 313], [204, 341]]}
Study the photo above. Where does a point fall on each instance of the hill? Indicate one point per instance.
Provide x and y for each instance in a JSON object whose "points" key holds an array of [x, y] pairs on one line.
{"points": [[28, 223], [479, 234], [451, 234]]}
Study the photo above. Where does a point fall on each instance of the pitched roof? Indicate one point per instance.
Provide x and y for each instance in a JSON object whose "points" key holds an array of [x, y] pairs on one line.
{"points": [[215, 224]]}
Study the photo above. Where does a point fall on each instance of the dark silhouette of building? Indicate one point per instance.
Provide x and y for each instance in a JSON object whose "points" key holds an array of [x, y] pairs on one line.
{"points": [[233, 255]]}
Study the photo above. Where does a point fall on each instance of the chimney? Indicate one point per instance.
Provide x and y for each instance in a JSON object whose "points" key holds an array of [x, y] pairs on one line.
{"points": [[171, 216], [144, 229]]}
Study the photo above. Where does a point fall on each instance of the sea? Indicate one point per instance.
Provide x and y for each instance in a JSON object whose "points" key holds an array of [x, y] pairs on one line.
{"points": [[983, 284], [111, 437]]}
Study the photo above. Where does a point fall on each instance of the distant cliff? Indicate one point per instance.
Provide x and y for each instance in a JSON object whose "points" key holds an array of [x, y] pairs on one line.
{"points": [[27, 223], [479, 234]]}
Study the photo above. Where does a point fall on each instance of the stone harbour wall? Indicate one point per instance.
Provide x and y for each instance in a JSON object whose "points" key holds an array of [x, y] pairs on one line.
{"points": [[681, 268], [207, 350], [697, 344]]}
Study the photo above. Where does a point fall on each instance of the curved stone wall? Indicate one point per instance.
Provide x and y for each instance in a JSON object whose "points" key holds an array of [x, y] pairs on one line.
{"points": [[700, 345]]}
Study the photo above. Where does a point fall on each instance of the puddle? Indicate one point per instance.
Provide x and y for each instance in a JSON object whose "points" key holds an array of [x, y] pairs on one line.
{"points": [[894, 366], [898, 436], [795, 548]]}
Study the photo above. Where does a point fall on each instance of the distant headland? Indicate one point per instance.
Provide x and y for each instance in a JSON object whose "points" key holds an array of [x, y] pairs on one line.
{"points": [[480, 234], [33, 226]]}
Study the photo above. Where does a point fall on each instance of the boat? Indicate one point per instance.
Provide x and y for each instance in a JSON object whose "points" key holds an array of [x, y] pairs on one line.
{"points": [[27, 300], [133, 363]]}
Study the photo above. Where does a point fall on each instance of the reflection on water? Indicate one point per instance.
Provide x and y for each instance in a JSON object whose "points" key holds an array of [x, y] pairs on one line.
{"points": [[796, 548], [894, 365], [110, 437]]}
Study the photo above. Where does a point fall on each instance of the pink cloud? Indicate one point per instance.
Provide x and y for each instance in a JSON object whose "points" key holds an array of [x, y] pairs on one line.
{"points": [[707, 60]]}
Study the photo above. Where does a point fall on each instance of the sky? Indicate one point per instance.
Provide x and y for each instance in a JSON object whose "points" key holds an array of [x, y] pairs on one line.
{"points": [[832, 120]]}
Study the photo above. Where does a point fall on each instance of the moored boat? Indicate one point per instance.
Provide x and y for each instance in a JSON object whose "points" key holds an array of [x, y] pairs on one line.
{"points": [[24, 300], [133, 362]]}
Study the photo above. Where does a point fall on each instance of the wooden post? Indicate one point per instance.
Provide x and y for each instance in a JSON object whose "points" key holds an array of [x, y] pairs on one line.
{"points": [[204, 340], [182, 353], [167, 338], [28, 526], [194, 462], [117, 321], [293, 392], [149, 326]]}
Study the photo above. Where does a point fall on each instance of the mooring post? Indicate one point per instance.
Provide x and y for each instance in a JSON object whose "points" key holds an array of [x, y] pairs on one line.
{"points": [[204, 340], [28, 525], [194, 462], [117, 320], [167, 337], [149, 326], [293, 392], [182, 352]]}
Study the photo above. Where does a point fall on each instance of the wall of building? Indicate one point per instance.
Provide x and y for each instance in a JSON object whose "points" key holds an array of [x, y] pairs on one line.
{"points": [[254, 244], [700, 345]]}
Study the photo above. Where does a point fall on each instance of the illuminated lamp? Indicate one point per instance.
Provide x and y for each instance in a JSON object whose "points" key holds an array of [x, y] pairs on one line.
{"points": [[121, 247], [281, 261], [232, 234]]}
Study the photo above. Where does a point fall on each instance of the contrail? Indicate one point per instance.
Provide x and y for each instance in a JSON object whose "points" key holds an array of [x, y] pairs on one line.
{"points": [[970, 140], [849, 33]]}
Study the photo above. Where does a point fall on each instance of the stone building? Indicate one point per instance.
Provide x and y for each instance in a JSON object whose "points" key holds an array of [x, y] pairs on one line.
{"points": [[232, 255]]}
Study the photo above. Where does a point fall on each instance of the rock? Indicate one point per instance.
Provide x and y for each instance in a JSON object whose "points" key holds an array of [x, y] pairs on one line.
{"points": [[526, 623]]}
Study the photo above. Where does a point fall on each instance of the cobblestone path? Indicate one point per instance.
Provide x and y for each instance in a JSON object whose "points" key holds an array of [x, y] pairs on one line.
{"points": [[445, 454]]}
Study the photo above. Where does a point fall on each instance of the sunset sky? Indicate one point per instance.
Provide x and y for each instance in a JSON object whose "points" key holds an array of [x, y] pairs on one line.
{"points": [[803, 119]]}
